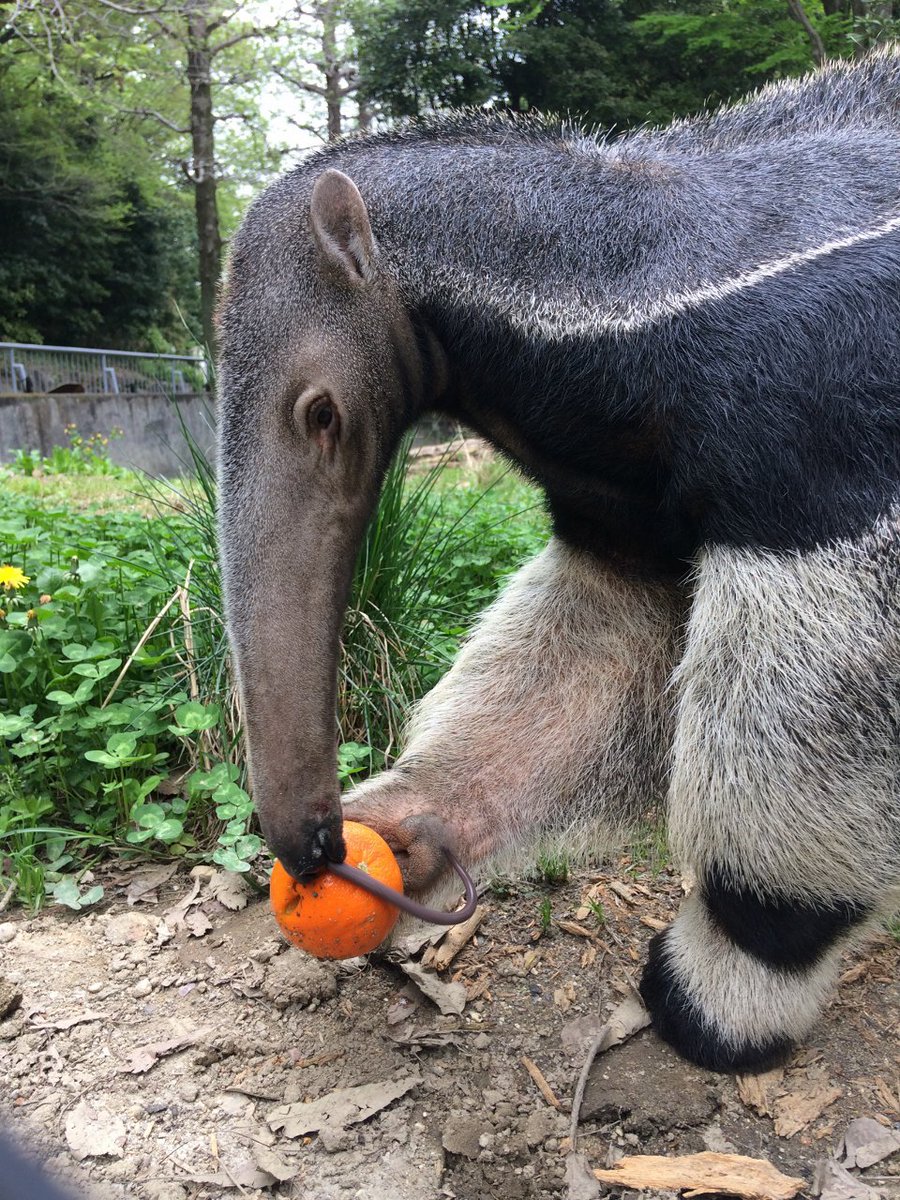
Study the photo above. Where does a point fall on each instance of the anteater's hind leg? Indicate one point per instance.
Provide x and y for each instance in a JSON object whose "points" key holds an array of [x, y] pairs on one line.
{"points": [[551, 722], [784, 792]]}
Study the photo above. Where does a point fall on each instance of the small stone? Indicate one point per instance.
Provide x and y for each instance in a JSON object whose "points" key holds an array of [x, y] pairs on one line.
{"points": [[128, 929], [163, 1189], [335, 1139], [10, 998], [462, 1136], [8, 931], [540, 1125], [94, 988], [189, 1091], [481, 1041], [142, 988]]}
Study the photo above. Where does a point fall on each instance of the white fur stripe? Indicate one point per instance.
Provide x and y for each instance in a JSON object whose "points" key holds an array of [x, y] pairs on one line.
{"points": [[734, 994], [565, 315]]}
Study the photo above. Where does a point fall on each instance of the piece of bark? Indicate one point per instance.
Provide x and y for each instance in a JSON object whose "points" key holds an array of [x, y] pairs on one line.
{"points": [[697, 1174], [440, 957], [538, 1076], [808, 1094], [758, 1091]]}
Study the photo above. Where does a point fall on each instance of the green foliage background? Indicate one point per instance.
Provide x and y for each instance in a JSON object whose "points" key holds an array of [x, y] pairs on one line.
{"points": [[98, 241]]}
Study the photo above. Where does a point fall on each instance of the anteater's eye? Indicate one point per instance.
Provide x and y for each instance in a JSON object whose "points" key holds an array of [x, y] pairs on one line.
{"points": [[322, 417]]}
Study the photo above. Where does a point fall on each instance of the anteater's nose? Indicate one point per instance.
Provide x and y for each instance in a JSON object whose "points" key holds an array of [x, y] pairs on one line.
{"points": [[311, 845]]}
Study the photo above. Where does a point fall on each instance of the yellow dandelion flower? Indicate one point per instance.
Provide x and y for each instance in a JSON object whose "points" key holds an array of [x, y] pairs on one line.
{"points": [[12, 578]]}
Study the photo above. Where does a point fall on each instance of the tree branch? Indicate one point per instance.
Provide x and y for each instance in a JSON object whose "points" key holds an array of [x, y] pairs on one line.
{"points": [[798, 12], [152, 113], [264, 31]]}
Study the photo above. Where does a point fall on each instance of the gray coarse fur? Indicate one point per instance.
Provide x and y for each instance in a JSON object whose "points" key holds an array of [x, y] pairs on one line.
{"points": [[558, 231], [760, 692]]}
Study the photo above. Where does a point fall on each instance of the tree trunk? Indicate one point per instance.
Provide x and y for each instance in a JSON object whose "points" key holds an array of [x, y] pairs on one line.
{"points": [[798, 12], [209, 241], [331, 68]]}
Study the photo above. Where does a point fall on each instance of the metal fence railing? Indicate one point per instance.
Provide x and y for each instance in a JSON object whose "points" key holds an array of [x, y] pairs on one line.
{"points": [[26, 368]]}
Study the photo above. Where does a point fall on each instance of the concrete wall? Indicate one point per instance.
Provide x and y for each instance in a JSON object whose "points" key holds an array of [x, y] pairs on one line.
{"points": [[152, 438]]}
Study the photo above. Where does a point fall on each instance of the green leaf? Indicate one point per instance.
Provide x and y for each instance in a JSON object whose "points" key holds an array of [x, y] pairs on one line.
{"points": [[226, 857], [66, 892], [194, 717], [169, 830]]}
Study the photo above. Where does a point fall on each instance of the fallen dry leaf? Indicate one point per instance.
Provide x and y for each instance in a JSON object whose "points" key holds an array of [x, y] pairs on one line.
{"points": [[143, 884], [885, 1095], [94, 1132], [866, 1143], [230, 889], [696, 1174], [68, 1022], [143, 1058], [758, 1091], [627, 1019], [345, 1106], [197, 923], [449, 997], [580, 1182], [809, 1092]]}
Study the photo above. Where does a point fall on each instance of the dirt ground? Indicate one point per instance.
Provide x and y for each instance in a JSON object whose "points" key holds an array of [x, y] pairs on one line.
{"points": [[164, 1046]]}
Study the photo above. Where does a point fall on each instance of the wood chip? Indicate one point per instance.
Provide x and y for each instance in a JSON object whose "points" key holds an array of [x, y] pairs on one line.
{"points": [[538, 1076], [856, 972], [655, 923], [440, 957], [576, 930], [620, 890], [809, 1093], [697, 1174], [888, 1098], [758, 1091]]}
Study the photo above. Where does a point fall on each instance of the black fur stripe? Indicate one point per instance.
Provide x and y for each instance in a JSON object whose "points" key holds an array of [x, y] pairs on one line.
{"points": [[779, 930], [679, 1023]]}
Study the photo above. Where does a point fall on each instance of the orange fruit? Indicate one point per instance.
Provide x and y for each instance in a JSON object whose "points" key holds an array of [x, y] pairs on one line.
{"points": [[331, 917]]}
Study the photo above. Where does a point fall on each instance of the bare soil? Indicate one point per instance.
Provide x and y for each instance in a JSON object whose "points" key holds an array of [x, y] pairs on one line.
{"points": [[239, 1024]]}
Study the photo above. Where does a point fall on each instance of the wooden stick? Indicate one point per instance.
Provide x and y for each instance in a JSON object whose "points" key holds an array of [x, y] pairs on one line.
{"points": [[538, 1076]]}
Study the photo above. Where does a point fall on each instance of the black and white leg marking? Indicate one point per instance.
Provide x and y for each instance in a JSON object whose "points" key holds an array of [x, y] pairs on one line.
{"points": [[784, 791]]}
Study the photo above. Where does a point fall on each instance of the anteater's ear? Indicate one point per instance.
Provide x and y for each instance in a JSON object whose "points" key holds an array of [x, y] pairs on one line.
{"points": [[340, 225]]}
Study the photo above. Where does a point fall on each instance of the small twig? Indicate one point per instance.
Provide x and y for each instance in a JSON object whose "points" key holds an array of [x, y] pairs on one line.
{"points": [[145, 637], [8, 895], [185, 605], [543, 1086], [600, 1043]]}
